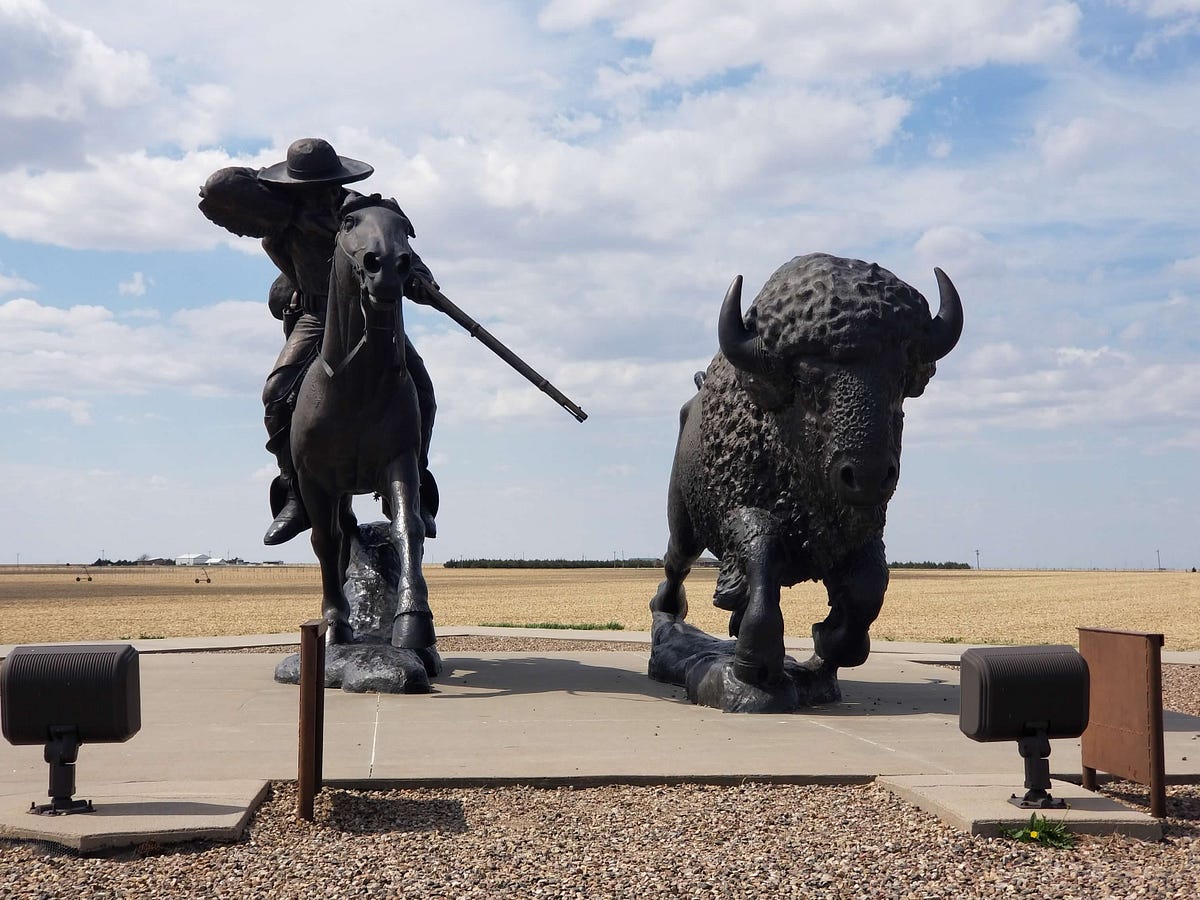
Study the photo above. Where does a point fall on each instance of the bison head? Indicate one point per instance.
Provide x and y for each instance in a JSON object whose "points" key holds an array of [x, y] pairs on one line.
{"points": [[830, 348]]}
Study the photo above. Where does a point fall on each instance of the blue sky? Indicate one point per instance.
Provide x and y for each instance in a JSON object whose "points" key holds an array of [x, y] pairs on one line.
{"points": [[585, 178]]}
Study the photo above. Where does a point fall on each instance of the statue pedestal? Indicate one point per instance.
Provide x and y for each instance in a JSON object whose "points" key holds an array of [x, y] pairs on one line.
{"points": [[684, 655], [370, 662]]}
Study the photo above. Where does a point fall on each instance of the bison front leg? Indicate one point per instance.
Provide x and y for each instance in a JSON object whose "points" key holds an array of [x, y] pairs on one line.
{"points": [[856, 590], [750, 676], [683, 546], [758, 658], [412, 628]]}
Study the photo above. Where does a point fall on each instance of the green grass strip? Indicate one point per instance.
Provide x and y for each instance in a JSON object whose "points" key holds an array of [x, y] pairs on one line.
{"points": [[584, 626]]}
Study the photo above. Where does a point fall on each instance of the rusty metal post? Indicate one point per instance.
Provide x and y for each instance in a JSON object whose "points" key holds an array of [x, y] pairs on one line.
{"points": [[1125, 732], [312, 715]]}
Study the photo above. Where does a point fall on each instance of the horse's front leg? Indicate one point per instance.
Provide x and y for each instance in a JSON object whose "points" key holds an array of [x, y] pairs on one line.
{"points": [[324, 512], [412, 628]]}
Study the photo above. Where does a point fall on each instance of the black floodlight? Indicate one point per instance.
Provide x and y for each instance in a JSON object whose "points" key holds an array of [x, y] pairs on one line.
{"points": [[1028, 695], [64, 696]]}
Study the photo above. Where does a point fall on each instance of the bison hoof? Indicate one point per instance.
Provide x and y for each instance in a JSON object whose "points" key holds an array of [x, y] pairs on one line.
{"points": [[842, 647], [720, 684], [671, 599], [722, 687]]}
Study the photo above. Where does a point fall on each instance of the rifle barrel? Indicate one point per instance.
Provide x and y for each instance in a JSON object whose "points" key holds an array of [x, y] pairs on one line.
{"points": [[485, 337]]}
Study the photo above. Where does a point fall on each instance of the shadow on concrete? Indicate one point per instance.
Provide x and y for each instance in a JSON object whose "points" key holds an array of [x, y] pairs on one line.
{"points": [[162, 808], [1176, 721], [537, 675], [865, 698], [533, 675]]}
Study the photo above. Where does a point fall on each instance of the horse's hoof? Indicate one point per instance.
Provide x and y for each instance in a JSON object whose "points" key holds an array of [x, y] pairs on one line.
{"points": [[339, 633], [413, 631]]}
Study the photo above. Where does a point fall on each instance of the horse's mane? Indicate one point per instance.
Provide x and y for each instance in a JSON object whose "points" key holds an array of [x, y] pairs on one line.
{"points": [[359, 201]]}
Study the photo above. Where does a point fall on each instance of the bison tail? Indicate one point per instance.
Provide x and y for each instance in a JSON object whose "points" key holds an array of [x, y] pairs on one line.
{"points": [[699, 379]]}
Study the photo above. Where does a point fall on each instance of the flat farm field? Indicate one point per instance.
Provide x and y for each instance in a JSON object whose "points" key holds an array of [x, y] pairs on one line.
{"points": [[57, 603]]}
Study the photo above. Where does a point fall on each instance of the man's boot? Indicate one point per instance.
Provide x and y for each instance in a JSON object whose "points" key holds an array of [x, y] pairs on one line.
{"points": [[291, 518]]}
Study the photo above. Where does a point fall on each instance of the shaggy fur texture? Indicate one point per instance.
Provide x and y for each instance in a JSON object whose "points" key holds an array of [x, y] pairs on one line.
{"points": [[849, 335]]}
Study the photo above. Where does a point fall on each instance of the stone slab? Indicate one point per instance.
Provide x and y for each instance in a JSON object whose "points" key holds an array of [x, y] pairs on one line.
{"points": [[132, 813], [978, 804]]}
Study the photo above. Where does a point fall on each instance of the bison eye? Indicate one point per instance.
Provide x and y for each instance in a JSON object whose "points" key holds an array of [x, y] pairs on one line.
{"points": [[348, 223]]}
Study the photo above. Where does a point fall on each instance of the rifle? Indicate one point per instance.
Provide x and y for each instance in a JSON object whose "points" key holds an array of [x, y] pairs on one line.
{"points": [[441, 302]]}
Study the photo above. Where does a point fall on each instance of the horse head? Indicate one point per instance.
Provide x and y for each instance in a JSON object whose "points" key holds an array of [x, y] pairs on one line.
{"points": [[372, 261], [373, 243]]}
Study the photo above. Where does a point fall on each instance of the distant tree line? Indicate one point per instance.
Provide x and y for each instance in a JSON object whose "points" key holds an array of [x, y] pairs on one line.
{"points": [[929, 565], [635, 563], [140, 561]]}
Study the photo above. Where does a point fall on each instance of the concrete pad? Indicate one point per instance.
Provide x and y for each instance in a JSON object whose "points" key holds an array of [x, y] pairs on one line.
{"points": [[978, 804], [569, 717], [127, 814]]}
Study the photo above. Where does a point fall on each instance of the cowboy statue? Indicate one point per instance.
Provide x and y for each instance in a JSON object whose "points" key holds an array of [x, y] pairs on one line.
{"points": [[293, 207]]}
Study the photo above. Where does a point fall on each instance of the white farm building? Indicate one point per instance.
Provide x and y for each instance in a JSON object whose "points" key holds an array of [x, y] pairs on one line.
{"points": [[193, 559]]}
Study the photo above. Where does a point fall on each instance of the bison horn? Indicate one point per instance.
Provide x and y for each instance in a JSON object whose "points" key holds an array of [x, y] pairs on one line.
{"points": [[742, 346], [946, 327]]}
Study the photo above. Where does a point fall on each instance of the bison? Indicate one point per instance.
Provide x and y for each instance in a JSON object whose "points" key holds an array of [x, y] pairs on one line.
{"points": [[786, 459]]}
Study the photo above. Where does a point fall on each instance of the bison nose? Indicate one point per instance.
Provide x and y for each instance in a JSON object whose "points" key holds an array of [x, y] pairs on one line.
{"points": [[861, 483]]}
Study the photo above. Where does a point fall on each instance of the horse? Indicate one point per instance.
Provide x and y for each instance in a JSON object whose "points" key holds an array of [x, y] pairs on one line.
{"points": [[357, 426]]}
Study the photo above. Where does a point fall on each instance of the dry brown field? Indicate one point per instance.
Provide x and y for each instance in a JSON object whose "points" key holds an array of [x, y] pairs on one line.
{"points": [[48, 604]]}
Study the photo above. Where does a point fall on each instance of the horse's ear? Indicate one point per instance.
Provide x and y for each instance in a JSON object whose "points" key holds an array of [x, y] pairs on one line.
{"points": [[391, 203], [355, 201]]}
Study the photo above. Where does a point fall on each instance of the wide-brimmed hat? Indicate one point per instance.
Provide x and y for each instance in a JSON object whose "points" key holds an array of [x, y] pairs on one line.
{"points": [[314, 161]]}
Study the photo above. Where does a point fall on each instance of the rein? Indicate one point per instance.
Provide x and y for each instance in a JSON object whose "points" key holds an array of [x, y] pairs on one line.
{"points": [[331, 372]]}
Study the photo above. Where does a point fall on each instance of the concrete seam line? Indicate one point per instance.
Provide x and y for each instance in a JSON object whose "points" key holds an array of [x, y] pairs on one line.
{"points": [[374, 738]]}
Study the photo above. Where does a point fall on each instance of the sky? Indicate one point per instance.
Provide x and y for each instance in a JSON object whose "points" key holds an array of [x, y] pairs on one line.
{"points": [[585, 178]]}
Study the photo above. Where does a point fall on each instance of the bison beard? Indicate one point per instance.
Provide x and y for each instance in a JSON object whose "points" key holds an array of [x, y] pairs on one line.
{"points": [[787, 457]]}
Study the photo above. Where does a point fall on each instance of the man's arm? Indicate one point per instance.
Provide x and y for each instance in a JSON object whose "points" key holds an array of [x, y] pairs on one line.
{"points": [[236, 200], [414, 288]]}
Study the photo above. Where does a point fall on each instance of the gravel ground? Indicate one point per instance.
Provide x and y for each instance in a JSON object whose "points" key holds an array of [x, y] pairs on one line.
{"points": [[645, 842], [620, 841]]}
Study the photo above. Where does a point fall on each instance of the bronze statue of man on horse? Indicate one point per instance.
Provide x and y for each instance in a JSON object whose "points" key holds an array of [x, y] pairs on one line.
{"points": [[293, 206], [349, 404]]}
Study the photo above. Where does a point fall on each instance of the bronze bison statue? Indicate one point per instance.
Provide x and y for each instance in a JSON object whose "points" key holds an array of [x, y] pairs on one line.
{"points": [[787, 457]]}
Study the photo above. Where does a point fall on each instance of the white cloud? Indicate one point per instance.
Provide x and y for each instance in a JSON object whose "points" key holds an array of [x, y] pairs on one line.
{"points": [[221, 349], [1188, 268], [691, 40], [80, 411], [967, 252], [11, 284], [54, 69], [134, 286], [1087, 389]]}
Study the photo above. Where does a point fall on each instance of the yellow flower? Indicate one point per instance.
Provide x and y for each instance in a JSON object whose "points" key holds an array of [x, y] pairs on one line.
{"points": [[1034, 835]]}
